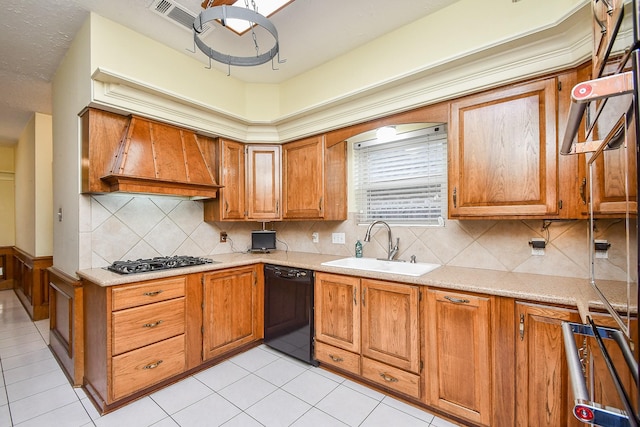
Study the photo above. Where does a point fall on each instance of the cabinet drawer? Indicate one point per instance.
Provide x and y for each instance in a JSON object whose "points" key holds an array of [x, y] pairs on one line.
{"points": [[391, 377], [140, 326], [138, 369], [147, 293], [338, 357]]}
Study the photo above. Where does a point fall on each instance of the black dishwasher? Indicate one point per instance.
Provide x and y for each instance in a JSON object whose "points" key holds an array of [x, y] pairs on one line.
{"points": [[288, 311]]}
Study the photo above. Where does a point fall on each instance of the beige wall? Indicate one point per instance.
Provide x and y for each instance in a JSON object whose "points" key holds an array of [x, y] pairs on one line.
{"points": [[7, 196], [434, 58], [71, 93], [33, 187]]}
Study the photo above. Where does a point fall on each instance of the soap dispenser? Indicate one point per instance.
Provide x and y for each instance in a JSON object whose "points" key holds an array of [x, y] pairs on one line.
{"points": [[358, 249]]}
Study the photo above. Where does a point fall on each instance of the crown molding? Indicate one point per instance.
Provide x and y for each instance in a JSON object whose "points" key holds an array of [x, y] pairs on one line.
{"points": [[552, 49]]}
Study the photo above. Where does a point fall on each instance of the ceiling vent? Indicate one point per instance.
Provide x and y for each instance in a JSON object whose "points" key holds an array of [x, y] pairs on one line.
{"points": [[177, 14]]}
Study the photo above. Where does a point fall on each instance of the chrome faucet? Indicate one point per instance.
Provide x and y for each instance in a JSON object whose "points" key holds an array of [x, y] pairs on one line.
{"points": [[393, 250]]}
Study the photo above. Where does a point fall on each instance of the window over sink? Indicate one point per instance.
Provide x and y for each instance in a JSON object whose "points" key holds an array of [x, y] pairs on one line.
{"points": [[401, 178]]}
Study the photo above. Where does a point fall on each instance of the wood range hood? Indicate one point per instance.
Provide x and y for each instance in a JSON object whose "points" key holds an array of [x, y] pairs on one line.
{"points": [[132, 154]]}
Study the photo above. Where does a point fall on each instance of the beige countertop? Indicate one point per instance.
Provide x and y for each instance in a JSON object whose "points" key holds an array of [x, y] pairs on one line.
{"points": [[569, 291]]}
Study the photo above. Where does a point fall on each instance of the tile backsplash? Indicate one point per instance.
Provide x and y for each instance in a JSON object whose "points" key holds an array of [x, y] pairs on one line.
{"points": [[120, 227]]}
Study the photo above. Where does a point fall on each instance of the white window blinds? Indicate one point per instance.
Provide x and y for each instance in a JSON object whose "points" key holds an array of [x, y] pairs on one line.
{"points": [[404, 181]]}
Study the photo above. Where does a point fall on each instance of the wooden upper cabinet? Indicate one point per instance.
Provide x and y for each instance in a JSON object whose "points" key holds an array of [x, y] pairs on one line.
{"points": [[613, 172], [250, 175], [231, 200], [503, 153], [303, 189], [314, 180], [263, 182]]}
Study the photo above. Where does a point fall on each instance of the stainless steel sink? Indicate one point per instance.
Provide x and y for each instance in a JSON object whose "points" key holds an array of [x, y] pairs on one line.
{"points": [[383, 266]]}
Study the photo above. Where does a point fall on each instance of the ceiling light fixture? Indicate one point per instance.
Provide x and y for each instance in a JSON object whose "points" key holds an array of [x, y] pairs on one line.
{"points": [[386, 133], [223, 13]]}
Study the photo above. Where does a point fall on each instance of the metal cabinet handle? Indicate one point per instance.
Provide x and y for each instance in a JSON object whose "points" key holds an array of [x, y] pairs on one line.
{"points": [[152, 325], [364, 294], [583, 191], [152, 294], [355, 300], [455, 197], [457, 300], [336, 358], [152, 365], [521, 327], [388, 378]]}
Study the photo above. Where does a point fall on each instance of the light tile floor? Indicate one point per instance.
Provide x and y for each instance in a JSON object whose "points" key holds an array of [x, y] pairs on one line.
{"points": [[260, 387]]}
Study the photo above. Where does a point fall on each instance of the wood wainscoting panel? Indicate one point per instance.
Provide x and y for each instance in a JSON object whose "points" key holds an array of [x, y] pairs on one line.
{"points": [[66, 332]]}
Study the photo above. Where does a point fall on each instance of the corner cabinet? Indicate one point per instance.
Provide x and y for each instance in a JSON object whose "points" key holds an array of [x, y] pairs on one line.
{"points": [[314, 179], [232, 310], [369, 328], [458, 354], [503, 153], [250, 176]]}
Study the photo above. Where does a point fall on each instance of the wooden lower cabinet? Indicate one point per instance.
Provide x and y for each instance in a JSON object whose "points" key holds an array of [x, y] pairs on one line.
{"points": [[458, 354], [543, 389], [232, 310], [604, 390], [390, 324], [134, 337], [337, 311], [369, 328]]}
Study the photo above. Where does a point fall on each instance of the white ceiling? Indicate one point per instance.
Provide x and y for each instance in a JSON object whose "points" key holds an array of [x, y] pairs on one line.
{"points": [[36, 34]]}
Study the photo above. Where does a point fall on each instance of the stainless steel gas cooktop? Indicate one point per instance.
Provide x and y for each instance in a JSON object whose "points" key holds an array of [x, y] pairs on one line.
{"points": [[157, 263]]}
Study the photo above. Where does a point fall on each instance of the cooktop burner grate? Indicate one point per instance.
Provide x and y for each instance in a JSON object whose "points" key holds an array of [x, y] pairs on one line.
{"points": [[157, 263]]}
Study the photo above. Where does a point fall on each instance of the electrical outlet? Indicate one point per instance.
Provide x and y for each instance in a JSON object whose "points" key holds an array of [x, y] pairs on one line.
{"points": [[338, 238], [601, 249], [315, 237], [537, 246], [223, 237]]}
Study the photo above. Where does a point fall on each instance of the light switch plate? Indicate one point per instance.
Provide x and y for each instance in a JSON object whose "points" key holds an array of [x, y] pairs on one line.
{"points": [[315, 238], [338, 238]]}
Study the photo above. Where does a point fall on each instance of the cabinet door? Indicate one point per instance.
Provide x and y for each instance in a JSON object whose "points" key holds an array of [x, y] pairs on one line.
{"points": [[604, 389], [303, 181], [337, 311], [232, 195], [543, 389], [231, 315], [457, 346], [390, 324], [613, 172], [503, 152], [263, 182]]}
